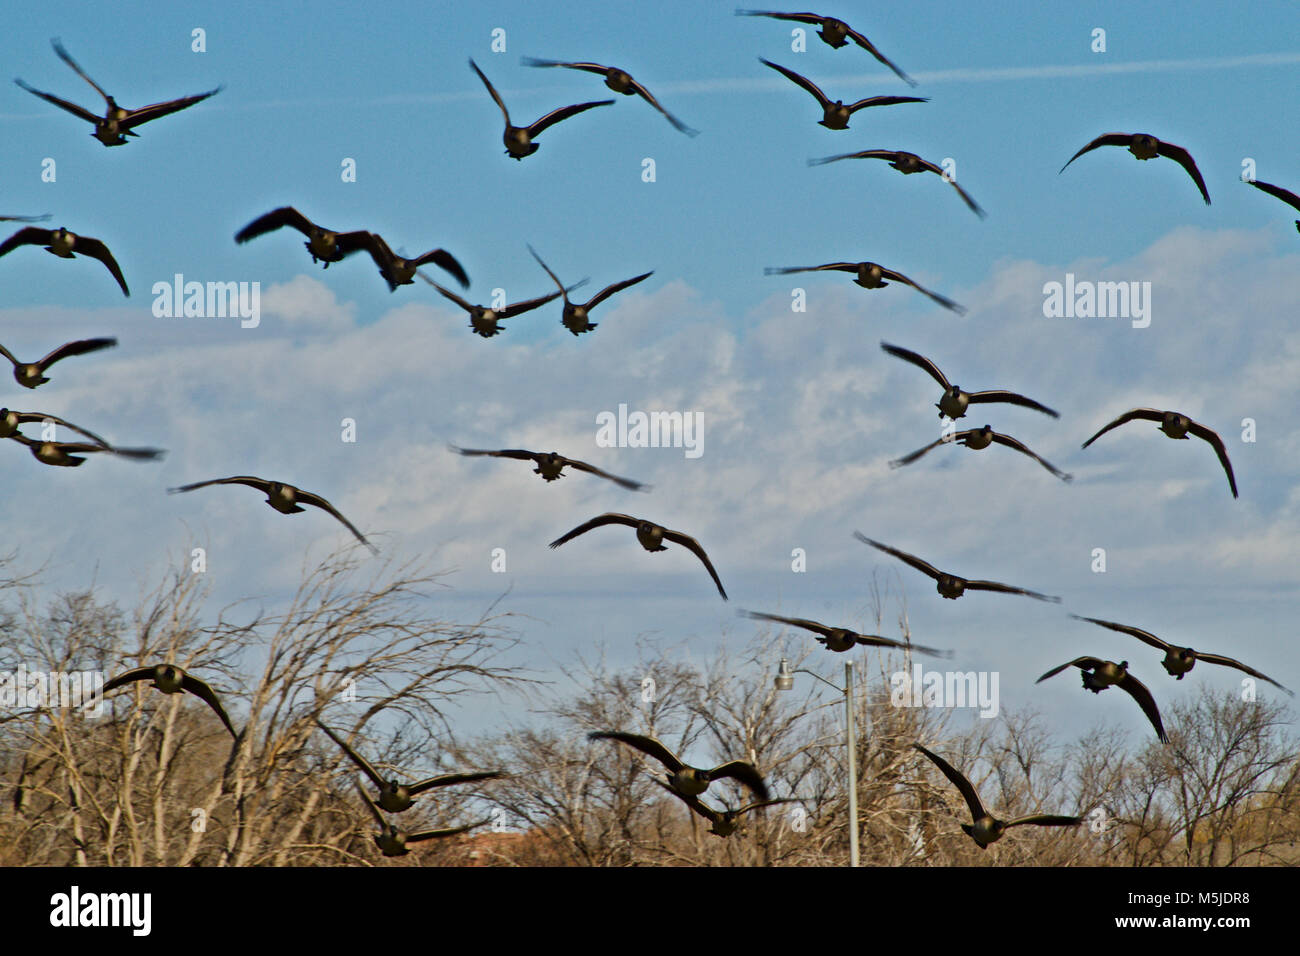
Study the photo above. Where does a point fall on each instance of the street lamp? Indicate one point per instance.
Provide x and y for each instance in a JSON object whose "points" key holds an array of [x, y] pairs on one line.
{"points": [[785, 681]]}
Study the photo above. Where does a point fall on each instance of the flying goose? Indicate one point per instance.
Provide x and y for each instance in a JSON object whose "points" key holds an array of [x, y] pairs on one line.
{"points": [[325, 245], [65, 245], [1180, 660], [1277, 192], [551, 465], [1175, 425], [842, 639], [978, 438], [285, 499], [836, 115], [687, 780], [869, 275], [651, 537], [1145, 146], [722, 823], [32, 374], [117, 123], [955, 401], [834, 33], [66, 454], [24, 218], [11, 419], [620, 82], [986, 828], [170, 679], [484, 320], [396, 797], [575, 316], [519, 139], [907, 164], [1099, 674], [393, 841], [399, 271], [949, 585]]}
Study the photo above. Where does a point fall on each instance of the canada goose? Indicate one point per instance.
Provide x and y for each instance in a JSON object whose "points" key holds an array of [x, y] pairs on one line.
{"points": [[65, 245], [551, 465], [949, 585], [285, 499], [834, 33], [955, 401], [575, 316], [1145, 146], [651, 536], [32, 374], [869, 275], [325, 245], [1175, 425], [24, 218], [1277, 192], [1180, 660], [396, 797], [722, 823], [11, 419], [986, 828], [1099, 674], [117, 123], [978, 438], [836, 115], [907, 164], [170, 679], [484, 320], [66, 454], [687, 780], [519, 139], [399, 271], [620, 82], [393, 841], [842, 639]]}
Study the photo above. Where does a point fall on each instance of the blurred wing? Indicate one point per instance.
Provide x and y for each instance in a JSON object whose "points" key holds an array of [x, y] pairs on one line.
{"points": [[802, 81], [26, 417], [445, 260], [942, 300], [355, 757], [72, 108], [140, 673], [158, 110], [1200, 431], [518, 308], [451, 832], [451, 779], [1145, 637], [447, 294], [273, 220], [31, 236], [745, 773], [261, 484], [885, 101], [607, 518], [518, 453], [1046, 820], [1020, 447], [647, 745], [908, 459], [923, 566], [971, 203], [492, 90], [609, 290], [796, 17], [80, 347], [1008, 589], [1010, 398], [66, 57], [920, 361], [1231, 662], [867, 45], [713, 816], [686, 541], [1146, 414], [374, 810], [593, 470], [554, 277], [804, 623]]}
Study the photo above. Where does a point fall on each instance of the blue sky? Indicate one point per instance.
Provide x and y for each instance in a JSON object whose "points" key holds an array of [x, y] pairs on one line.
{"points": [[802, 411]]}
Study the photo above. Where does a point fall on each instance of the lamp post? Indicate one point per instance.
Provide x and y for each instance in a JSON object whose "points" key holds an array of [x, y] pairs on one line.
{"points": [[785, 681]]}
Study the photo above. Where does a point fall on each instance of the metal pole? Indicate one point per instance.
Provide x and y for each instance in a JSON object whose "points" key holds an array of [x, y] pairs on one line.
{"points": [[853, 765]]}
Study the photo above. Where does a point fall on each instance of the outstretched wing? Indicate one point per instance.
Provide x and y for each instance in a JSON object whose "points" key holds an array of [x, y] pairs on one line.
{"points": [[1277, 192], [871, 101], [66, 57], [800, 80], [140, 673], [158, 110], [72, 108], [745, 773], [1184, 159], [586, 67], [919, 360], [1138, 691], [609, 290], [451, 779], [261, 484], [908, 459], [374, 810], [1200, 431], [273, 220], [1024, 450], [958, 780], [79, 347], [518, 453], [923, 566], [942, 300], [97, 250], [307, 498], [206, 694], [554, 277], [447, 294], [813, 18], [649, 98], [1009, 398], [1233, 662], [445, 260], [828, 267], [1107, 139], [1146, 637], [888, 155], [30, 236], [355, 757], [1046, 820], [1008, 589], [867, 45], [686, 541], [701, 808], [492, 90], [647, 745], [804, 623], [1083, 663], [27, 417], [450, 832], [1146, 414], [966, 197], [527, 305], [597, 522], [593, 470], [563, 113]]}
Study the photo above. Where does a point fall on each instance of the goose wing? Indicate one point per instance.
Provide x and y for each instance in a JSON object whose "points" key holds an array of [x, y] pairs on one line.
{"points": [[1184, 159], [1008, 589], [1138, 691], [1146, 414], [804, 623], [609, 290], [273, 220], [1277, 192], [647, 745], [870, 47], [908, 459], [447, 294], [28, 417], [920, 361], [527, 305], [261, 484], [1046, 820], [451, 779], [355, 757], [72, 108], [1010, 398], [155, 111], [1106, 139], [307, 498], [627, 483], [686, 541], [139, 673], [743, 772], [449, 832], [1083, 663], [79, 347], [66, 57], [1206, 434], [942, 300], [1019, 446], [701, 808], [958, 780], [30, 236], [597, 522], [496, 97], [1146, 637], [96, 249], [206, 694], [517, 453], [923, 566], [563, 113], [444, 260], [1233, 662], [800, 80], [888, 155]]}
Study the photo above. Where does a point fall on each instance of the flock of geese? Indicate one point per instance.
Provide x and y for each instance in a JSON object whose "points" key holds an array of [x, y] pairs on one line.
{"points": [[329, 246]]}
